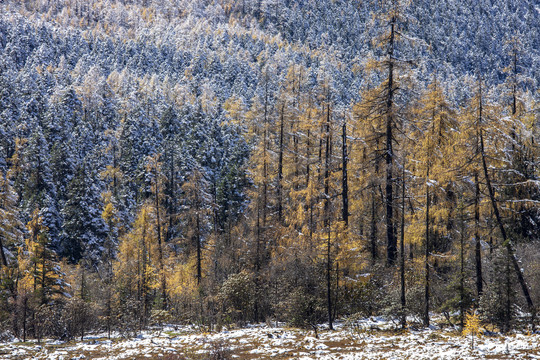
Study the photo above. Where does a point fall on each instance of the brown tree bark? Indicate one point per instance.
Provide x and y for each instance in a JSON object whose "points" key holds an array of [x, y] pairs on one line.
{"points": [[344, 177], [478, 248], [402, 254], [389, 153], [327, 218], [427, 253]]}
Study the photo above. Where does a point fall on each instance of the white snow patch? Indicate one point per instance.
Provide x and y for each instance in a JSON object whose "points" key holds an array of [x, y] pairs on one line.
{"points": [[363, 339]]}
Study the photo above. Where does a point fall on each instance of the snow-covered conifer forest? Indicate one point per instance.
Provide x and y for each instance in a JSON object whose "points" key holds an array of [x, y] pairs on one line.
{"points": [[171, 165]]}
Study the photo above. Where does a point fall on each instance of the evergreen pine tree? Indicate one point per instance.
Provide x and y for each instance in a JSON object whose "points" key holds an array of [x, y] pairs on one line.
{"points": [[84, 231]]}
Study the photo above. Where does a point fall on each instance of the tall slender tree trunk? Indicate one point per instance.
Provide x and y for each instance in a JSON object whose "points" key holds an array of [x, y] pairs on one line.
{"points": [[478, 245], [321, 142], [427, 252], [2, 254], [25, 308], [308, 157], [508, 295], [514, 83], [199, 246], [170, 201], [295, 124], [265, 155], [43, 275], [262, 207], [390, 231], [143, 295], [336, 293], [280, 165], [327, 219], [402, 254], [373, 228], [257, 263], [462, 273], [160, 246], [308, 186], [344, 178]]}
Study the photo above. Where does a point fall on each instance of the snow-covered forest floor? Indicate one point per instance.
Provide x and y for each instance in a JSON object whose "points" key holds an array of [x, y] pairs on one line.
{"points": [[367, 339]]}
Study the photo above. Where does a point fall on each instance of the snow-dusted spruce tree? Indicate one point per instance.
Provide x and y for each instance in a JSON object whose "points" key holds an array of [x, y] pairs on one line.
{"points": [[84, 231], [38, 188]]}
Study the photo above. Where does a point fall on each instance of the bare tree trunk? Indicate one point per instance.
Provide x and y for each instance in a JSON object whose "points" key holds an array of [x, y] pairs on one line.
{"points": [[462, 274], [336, 295], [262, 209], [508, 300], [390, 231], [2, 254], [280, 166], [25, 308], [373, 228], [144, 295], [160, 247], [427, 253], [308, 157], [344, 178], [402, 254], [170, 201], [478, 248], [199, 250], [265, 162], [257, 263], [327, 219], [308, 186]]}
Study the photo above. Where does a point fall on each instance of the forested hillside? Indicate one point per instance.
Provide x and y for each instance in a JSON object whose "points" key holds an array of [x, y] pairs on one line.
{"points": [[219, 162]]}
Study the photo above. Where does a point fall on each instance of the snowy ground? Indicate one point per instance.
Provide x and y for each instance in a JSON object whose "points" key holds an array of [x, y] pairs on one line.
{"points": [[368, 339]]}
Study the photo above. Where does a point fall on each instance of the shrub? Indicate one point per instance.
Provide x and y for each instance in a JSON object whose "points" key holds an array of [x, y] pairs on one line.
{"points": [[303, 309], [78, 317], [219, 351], [236, 297]]}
